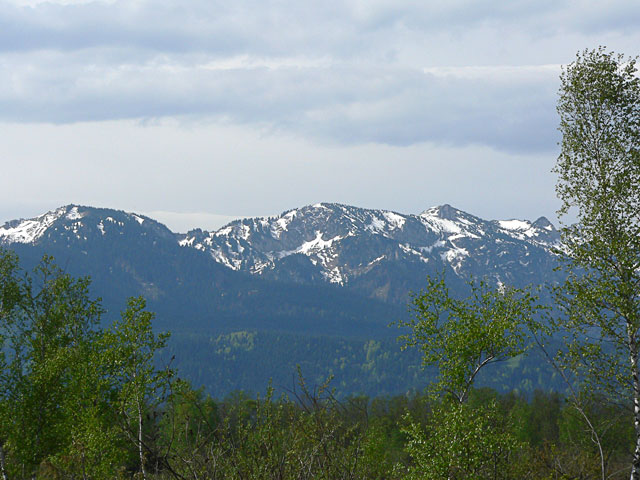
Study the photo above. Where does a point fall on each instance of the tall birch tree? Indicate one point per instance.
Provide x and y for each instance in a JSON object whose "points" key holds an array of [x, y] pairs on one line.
{"points": [[131, 347], [599, 185]]}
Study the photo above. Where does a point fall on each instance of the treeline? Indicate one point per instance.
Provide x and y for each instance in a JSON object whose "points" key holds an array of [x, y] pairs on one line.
{"points": [[308, 434], [81, 401], [246, 360]]}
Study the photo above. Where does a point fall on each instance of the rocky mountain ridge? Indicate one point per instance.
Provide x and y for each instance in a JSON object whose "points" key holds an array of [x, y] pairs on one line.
{"points": [[316, 286], [346, 245], [379, 252]]}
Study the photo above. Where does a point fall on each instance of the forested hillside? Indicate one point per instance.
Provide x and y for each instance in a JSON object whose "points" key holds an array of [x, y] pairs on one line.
{"points": [[206, 287]]}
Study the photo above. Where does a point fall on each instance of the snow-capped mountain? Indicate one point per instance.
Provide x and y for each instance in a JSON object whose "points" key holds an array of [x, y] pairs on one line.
{"points": [[317, 283], [382, 254], [380, 250], [126, 254], [77, 224]]}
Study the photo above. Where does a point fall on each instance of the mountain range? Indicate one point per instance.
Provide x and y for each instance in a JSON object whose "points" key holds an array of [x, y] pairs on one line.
{"points": [[380, 253], [325, 274]]}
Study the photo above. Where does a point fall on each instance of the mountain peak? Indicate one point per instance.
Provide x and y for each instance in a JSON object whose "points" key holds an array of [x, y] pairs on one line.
{"points": [[444, 211], [322, 243], [448, 212], [73, 218], [544, 223], [29, 230]]}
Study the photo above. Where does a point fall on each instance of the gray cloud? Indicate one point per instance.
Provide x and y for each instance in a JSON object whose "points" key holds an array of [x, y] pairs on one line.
{"points": [[337, 71], [336, 102], [336, 27]]}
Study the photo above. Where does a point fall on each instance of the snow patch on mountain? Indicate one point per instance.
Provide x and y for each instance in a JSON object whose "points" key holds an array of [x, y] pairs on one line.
{"points": [[29, 231], [519, 228], [187, 242], [394, 220], [74, 214], [455, 257], [440, 225], [376, 260], [317, 244], [429, 248], [220, 257], [406, 248], [114, 221], [376, 225], [334, 276], [224, 231], [246, 232], [514, 224]]}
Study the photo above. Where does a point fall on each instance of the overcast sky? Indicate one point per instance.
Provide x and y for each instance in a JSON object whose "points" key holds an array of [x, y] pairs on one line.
{"points": [[198, 111]]}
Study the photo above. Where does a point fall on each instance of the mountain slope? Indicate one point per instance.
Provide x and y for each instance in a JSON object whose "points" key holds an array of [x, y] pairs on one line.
{"points": [[376, 253], [381, 253], [127, 254], [311, 287]]}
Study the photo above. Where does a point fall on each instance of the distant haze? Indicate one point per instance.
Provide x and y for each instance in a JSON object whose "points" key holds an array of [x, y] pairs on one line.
{"points": [[199, 112], [182, 222]]}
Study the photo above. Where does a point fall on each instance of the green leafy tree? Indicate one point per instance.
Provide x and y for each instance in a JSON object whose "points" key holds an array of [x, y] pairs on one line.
{"points": [[48, 325], [599, 182], [67, 387], [461, 337], [10, 297], [462, 442], [130, 346]]}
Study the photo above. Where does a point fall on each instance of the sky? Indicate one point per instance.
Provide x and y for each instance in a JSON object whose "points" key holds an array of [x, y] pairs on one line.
{"points": [[197, 112]]}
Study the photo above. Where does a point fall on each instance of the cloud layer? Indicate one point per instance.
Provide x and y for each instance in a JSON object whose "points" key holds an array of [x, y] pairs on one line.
{"points": [[347, 72]]}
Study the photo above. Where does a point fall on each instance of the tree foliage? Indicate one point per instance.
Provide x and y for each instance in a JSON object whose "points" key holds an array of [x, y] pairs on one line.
{"points": [[463, 336], [599, 181], [463, 441], [63, 379]]}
